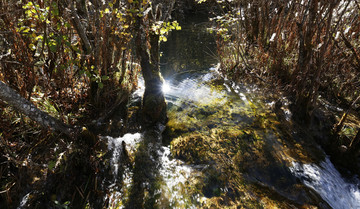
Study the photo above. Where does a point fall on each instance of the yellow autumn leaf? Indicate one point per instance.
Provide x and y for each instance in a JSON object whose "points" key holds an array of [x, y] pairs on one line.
{"points": [[162, 31]]}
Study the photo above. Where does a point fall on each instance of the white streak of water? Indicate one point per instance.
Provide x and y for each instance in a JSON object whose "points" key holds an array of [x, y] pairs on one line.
{"points": [[115, 144], [24, 201], [328, 182], [117, 195], [175, 175]]}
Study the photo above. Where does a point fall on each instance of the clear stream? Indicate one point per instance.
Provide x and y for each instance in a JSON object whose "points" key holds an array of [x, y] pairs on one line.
{"points": [[321, 177], [256, 165]]}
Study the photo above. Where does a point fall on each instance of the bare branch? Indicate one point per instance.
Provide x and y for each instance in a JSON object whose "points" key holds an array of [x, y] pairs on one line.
{"points": [[79, 27]]}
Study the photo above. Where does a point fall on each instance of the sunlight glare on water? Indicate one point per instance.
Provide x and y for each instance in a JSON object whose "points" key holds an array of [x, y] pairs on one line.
{"points": [[191, 90], [140, 87], [166, 87], [328, 182]]}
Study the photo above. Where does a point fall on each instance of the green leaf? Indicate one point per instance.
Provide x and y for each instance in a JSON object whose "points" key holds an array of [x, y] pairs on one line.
{"points": [[163, 38], [52, 47], [101, 85], [105, 77], [32, 46], [39, 37], [51, 165], [118, 15], [39, 63]]}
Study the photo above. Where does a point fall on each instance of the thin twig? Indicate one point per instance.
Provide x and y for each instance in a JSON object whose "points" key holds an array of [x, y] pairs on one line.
{"points": [[79, 27]]}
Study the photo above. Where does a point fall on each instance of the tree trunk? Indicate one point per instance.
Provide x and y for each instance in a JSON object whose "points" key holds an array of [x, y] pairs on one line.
{"points": [[24, 106], [80, 29], [153, 105]]}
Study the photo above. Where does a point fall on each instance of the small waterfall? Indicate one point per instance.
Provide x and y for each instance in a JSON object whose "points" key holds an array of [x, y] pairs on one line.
{"points": [[115, 145], [118, 196], [328, 182], [174, 176]]}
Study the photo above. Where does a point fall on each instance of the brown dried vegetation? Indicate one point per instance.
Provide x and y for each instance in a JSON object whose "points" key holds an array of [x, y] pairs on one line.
{"points": [[73, 60], [305, 48]]}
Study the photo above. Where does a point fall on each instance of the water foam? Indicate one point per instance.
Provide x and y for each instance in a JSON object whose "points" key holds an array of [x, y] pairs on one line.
{"points": [[328, 182]]}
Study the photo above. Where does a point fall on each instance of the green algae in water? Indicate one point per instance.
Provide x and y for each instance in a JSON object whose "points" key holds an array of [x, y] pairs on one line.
{"points": [[238, 139], [234, 154]]}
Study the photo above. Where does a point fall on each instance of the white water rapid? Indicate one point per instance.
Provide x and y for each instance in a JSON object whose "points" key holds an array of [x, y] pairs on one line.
{"points": [[329, 184], [174, 175]]}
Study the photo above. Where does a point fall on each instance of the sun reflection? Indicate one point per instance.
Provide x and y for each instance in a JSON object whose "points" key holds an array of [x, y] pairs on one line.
{"points": [[166, 87]]}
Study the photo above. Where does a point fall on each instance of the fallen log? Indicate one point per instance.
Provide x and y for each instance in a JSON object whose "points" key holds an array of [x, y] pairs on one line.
{"points": [[16, 101]]}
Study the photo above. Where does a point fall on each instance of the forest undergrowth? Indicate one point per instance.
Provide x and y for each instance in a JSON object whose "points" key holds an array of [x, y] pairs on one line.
{"points": [[304, 52], [76, 61]]}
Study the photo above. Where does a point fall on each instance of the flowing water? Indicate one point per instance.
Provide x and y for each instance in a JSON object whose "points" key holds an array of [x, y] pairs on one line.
{"points": [[328, 182], [174, 175], [224, 146], [199, 105]]}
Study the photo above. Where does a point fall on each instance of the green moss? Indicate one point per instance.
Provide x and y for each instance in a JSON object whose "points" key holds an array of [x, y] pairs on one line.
{"points": [[236, 140], [192, 148]]}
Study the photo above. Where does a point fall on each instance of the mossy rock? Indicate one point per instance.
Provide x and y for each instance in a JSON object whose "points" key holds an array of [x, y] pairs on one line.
{"points": [[192, 148]]}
